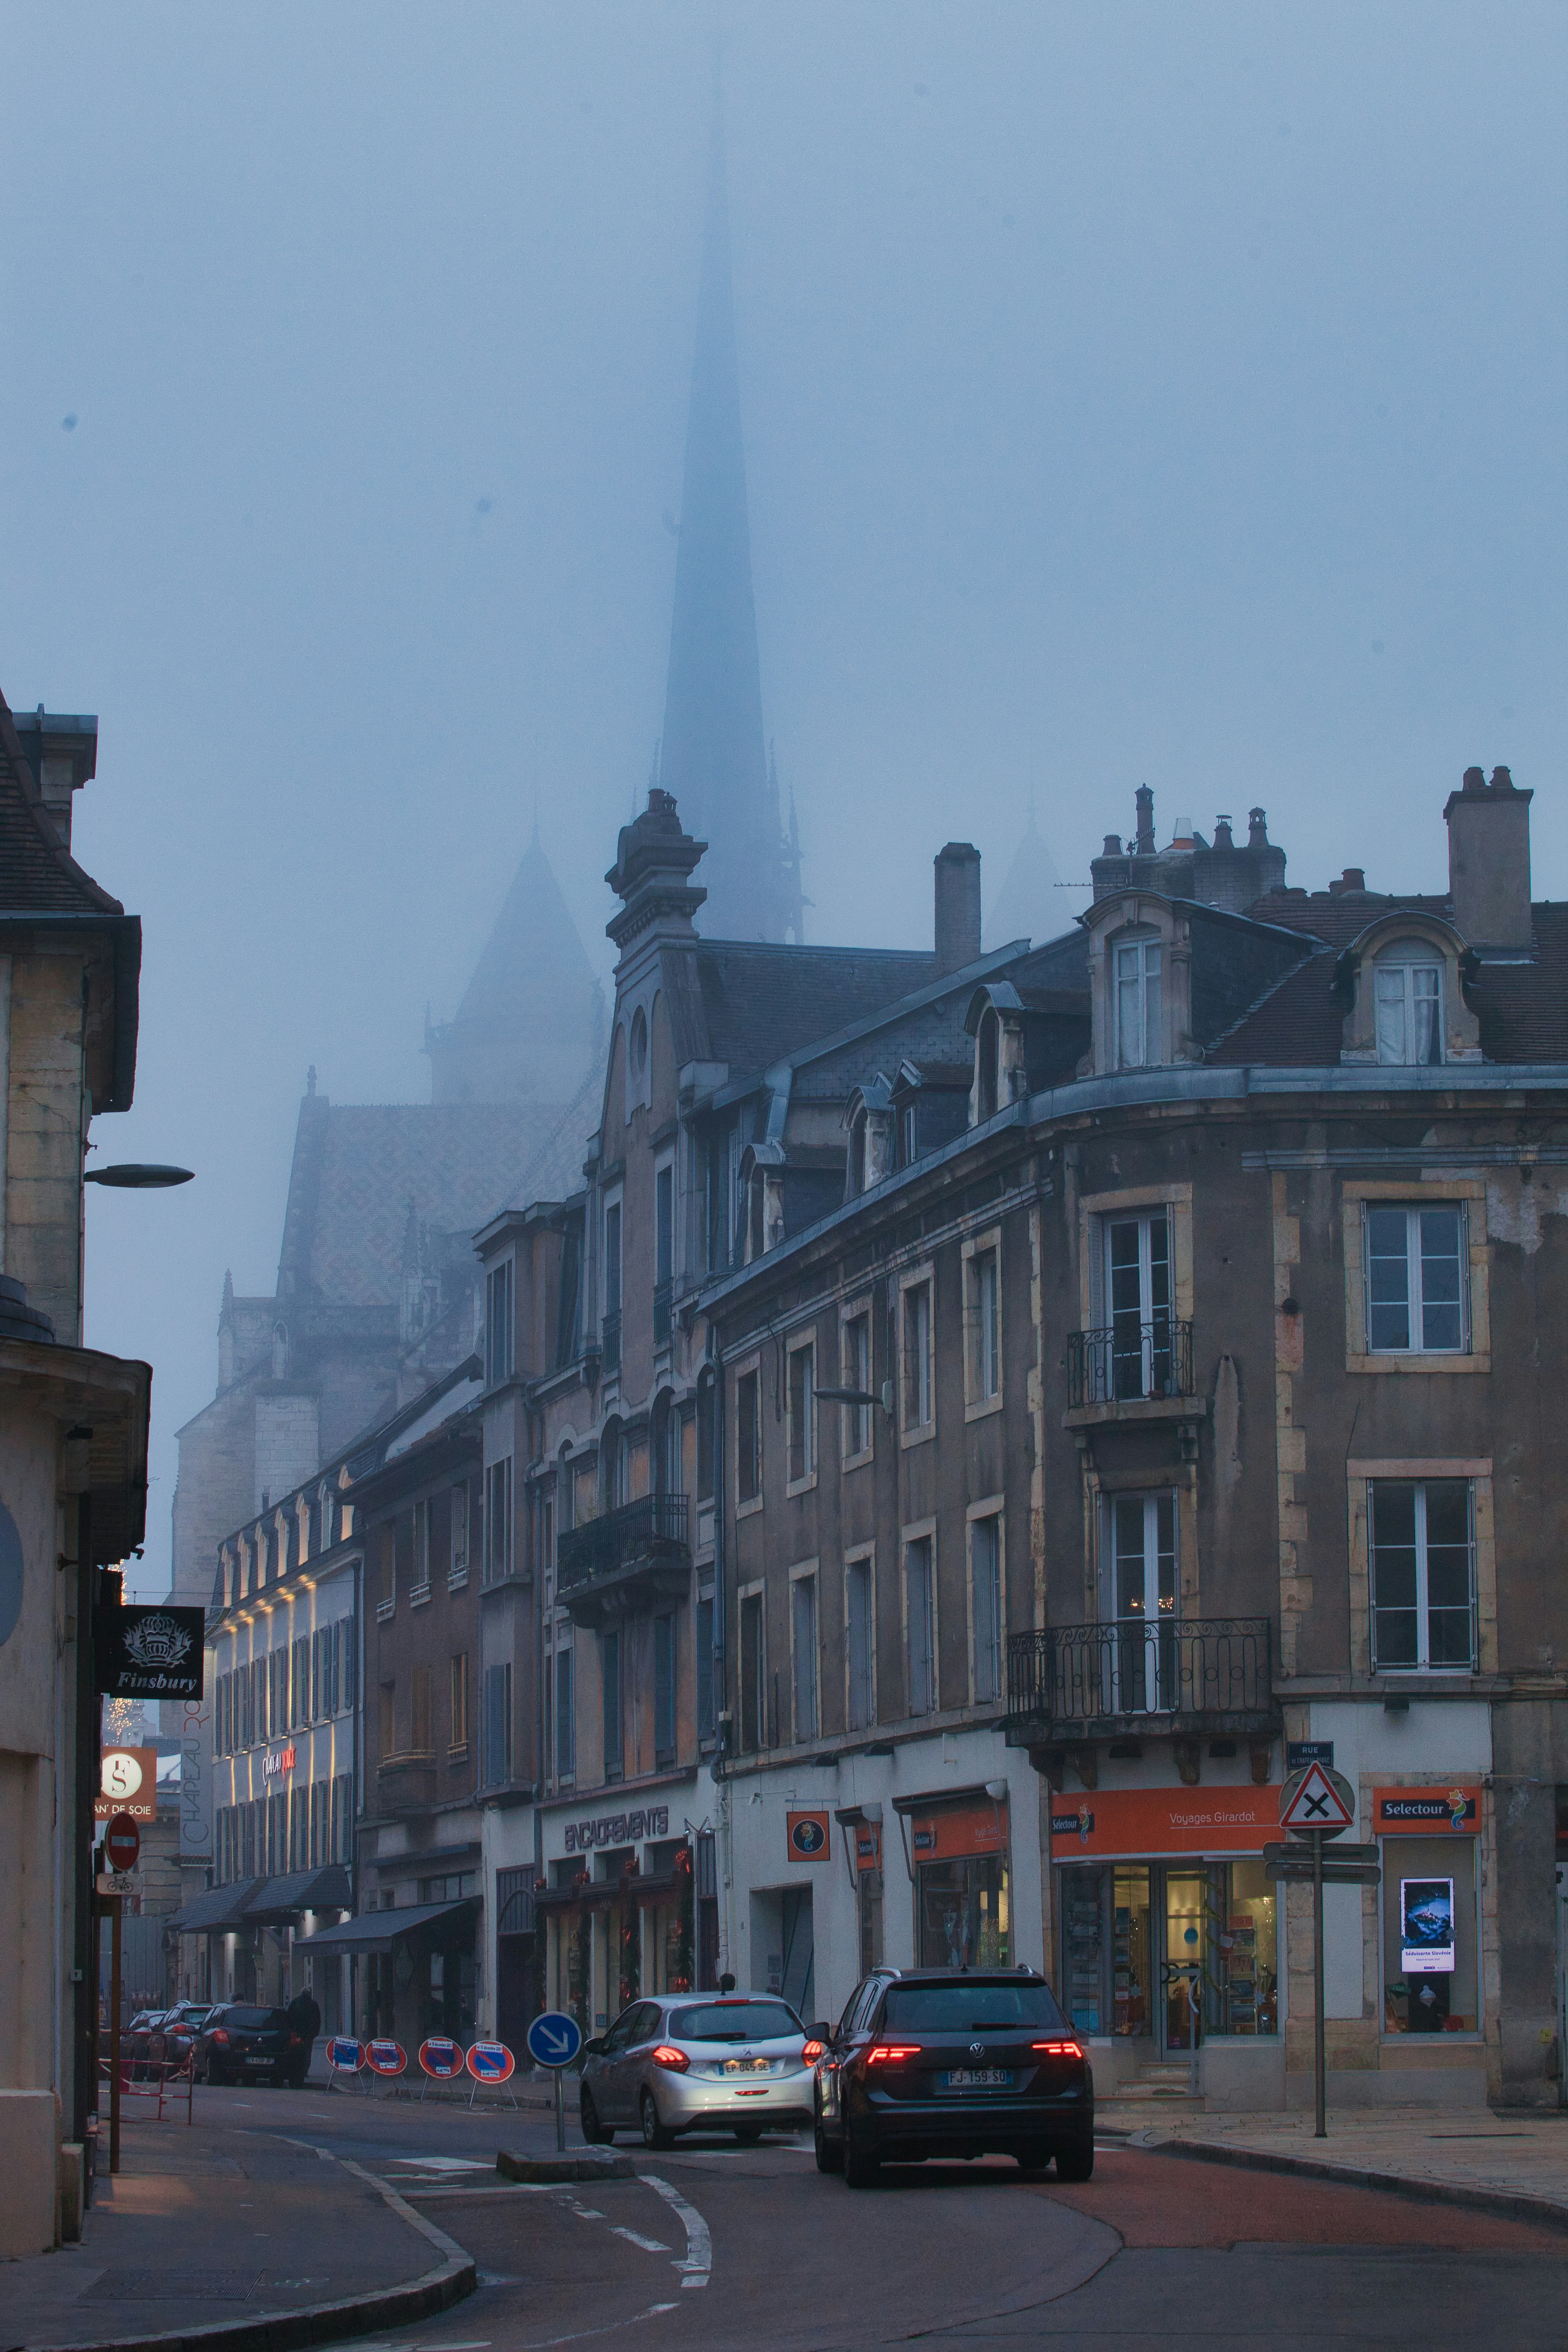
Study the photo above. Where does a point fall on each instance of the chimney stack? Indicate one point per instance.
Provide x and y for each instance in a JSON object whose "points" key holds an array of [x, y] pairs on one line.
{"points": [[957, 906], [1488, 861]]}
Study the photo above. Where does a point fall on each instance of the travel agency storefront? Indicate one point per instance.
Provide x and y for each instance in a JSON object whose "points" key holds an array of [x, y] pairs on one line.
{"points": [[1169, 1936]]}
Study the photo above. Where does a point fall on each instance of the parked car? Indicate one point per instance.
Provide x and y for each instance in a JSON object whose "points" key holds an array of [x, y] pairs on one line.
{"points": [[241, 2042], [686, 2062], [136, 2042], [956, 2063], [176, 2032]]}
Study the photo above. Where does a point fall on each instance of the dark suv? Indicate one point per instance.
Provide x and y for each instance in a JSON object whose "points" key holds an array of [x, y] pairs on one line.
{"points": [[243, 2043], [954, 2062]]}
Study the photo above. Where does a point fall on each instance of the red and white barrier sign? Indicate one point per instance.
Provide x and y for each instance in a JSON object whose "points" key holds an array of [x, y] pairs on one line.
{"points": [[344, 2054], [385, 2057], [490, 2062], [441, 2059]]}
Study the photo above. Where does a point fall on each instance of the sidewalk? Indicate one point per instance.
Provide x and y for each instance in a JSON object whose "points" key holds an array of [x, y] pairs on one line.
{"points": [[1509, 2162], [218, 2227]]}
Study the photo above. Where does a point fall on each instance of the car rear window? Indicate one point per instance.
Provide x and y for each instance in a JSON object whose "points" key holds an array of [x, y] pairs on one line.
{"points": [[734, 2021], [968, 2008], [252, 2021]]}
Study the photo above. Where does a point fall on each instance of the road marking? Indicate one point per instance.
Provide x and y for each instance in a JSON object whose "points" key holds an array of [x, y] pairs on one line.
{"points": [[446, 2163], [698, 2263], [636, 2238]]}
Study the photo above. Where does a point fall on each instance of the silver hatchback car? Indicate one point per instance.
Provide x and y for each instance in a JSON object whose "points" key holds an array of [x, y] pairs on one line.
{"points": [[698, 2061]]}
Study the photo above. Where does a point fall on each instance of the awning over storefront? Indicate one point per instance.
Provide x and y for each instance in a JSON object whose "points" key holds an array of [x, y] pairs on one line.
{"points": [[217, 1910], [377, 1931], [279, 1901]]}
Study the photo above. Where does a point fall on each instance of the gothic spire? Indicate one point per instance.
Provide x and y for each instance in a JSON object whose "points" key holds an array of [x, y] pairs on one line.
{"points": [[713, 758]]}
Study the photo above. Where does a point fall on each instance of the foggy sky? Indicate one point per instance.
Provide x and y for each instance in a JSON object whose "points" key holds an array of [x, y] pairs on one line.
{"points": [[1131, 393]]}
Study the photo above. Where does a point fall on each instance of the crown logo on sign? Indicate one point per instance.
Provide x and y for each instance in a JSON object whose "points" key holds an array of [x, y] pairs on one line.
{"points": [[157, 1642]]}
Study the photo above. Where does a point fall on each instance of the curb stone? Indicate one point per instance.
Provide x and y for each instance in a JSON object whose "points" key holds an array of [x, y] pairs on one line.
{"points": [[437, 2290], [1512, 2204], [547, 2168]]}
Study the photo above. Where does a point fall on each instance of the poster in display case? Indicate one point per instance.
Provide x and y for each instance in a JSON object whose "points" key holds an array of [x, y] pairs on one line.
{"points": [[1427, 1935]]}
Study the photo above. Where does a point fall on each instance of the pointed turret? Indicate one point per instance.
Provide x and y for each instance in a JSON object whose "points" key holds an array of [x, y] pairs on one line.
{"points": [[712, 759], [533, 1017]]}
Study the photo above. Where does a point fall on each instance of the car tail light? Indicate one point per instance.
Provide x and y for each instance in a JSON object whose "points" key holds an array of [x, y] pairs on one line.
{"points": [[667, 2055], [890, 2050], [220, 2035], [812, 2052], [294, 2040], [1059, 2049]]}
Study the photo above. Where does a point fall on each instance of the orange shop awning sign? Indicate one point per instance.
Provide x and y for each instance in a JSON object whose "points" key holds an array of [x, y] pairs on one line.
{"points": [[1137, 1822], [950, 1832], [808, 1836]]}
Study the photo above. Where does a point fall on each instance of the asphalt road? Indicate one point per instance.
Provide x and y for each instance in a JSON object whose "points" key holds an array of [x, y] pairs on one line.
{"points": [[712, 2246]]}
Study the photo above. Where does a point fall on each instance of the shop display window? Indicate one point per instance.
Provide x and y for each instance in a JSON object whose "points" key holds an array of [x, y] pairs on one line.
{"points": [[964, 1916], [1169, 1949], [1429, 1979]]}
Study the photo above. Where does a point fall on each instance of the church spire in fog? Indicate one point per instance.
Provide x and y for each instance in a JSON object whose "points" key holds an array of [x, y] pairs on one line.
{"points": [[713, 758]]}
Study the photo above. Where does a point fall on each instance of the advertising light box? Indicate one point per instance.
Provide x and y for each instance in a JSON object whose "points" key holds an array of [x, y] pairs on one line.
{"points": [[1427, 1926]]}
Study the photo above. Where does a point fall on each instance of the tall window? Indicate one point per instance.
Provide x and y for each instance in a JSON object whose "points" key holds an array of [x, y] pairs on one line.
{"points": [[459, 1506], [705, 1409], [919, 1398], [1140, 1662], [802, 1646], [421, 1545], [1415, 1289], [986, 1582], [1138, 1309], [422, 1741], [613, 1262], [1408, 1000], [705, 1666], [802, 1414], [566, 1717], [920, 1626], [664, 1226], [610, 1694], [664, 1688], [497, 1518], [566, 1334], [1137, 982], [388, 1718], [988, 1062], [857, 1374], [1423, 1572], [982, 1279], [458, 1701], [859, 1610], [498, 1323], [498, 1725], [748, 1437], [908, 1135], [754, 1673]]}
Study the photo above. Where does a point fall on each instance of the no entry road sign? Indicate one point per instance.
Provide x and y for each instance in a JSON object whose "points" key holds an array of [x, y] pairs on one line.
{"points": [[122, 1843], [555, 2038], [1317, 1799]]}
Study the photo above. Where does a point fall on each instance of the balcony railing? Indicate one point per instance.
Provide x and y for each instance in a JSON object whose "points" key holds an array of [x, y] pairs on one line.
{"points": [[610, 1344], [1071, 1680], [627, 1558], [1129, 1362]]}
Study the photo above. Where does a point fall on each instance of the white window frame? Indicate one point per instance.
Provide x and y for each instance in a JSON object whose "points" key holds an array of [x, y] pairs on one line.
{"points": [[922, 1532], [863, 1558], [1138, 961], [756, 1590], [853, 1418], [501, 1322], [1413, 1210], [991, 1512], [1422, 1663], [979, 1251], [809, 1435], [750, 1368], [804, 1573], [1398, 962], [917, 1432]]}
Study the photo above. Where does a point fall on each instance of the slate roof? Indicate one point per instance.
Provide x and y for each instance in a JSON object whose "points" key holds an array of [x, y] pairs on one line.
{"points": [[38, 873], [761, 1001]]}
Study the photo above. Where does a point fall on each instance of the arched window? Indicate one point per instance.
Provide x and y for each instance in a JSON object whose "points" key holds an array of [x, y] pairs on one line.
{"points": [[1137, 981], [639, 1042], [988, 1059], [1407, 996]]}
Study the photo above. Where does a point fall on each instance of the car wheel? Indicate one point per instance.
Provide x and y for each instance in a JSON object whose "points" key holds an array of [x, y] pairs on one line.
{"points": [[748, 2134], [594, 2131], [861, 2169], [1034, 2159], [653, 2131], [1075, 2163], [829, 2152]]}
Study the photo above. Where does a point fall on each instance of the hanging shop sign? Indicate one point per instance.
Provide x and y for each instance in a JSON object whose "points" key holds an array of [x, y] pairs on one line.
{"points": [[1427, 1933], [806, 1836], [618, 1829], [1144, 1823], [277, 1761], [128, 1783], [951, 1831], [867, 1846], [1454, 1811], [149, 1652]]}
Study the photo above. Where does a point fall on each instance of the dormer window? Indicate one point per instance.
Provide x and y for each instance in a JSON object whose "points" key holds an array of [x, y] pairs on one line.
{"points": [[858, 1154], [1137, 976], [988, 1059], [1408, 996]]}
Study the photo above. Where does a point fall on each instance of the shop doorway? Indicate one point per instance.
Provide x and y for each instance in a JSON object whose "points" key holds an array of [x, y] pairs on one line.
{"points": [[1184, 1962], [1141, 1939]]}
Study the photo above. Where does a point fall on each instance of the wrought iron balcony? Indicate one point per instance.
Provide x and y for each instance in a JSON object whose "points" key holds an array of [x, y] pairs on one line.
{"points": [[1130, 1362], [626, 1561], [1203, 1674]]}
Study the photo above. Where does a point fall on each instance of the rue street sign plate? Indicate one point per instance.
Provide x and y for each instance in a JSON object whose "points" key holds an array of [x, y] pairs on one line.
{"points": [[1296, 1870], [1296, 1852], [1317, 1799]]}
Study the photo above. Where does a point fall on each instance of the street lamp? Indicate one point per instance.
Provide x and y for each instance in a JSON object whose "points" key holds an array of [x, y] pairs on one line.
{"points": [[138, 1176]]}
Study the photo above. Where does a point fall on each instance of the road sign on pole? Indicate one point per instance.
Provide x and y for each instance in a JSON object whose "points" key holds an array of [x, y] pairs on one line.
{"points": [[1317, 1799], [122, 1843], [554, 2041]]}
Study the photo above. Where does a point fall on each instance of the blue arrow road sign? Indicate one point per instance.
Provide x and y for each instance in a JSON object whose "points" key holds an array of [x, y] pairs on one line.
{"points": [[555, 2038]]}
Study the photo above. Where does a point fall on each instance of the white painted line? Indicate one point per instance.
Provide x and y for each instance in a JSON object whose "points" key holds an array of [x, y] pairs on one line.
{"points": [[636, 2238], [698, 2263], [446, 2163]]}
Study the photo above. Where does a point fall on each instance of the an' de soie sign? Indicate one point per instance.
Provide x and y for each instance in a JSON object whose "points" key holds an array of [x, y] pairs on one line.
{"points": [[127, 1784], [151, 1652]]}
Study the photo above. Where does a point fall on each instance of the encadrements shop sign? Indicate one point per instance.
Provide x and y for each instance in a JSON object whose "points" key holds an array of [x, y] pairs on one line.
{"points": [[151, 1652]]}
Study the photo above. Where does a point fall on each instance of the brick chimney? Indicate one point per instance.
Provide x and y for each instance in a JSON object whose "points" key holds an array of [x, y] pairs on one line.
{"points": [[957, 906], [1488, 860]]}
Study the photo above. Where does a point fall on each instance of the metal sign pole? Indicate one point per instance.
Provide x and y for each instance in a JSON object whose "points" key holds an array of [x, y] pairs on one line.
{"points": [[117, 1904], [560, 2116], [1319, 2056]]}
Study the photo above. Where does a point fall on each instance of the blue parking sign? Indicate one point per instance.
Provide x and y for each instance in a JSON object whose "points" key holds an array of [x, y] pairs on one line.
{"points": [[555, 2038]]}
